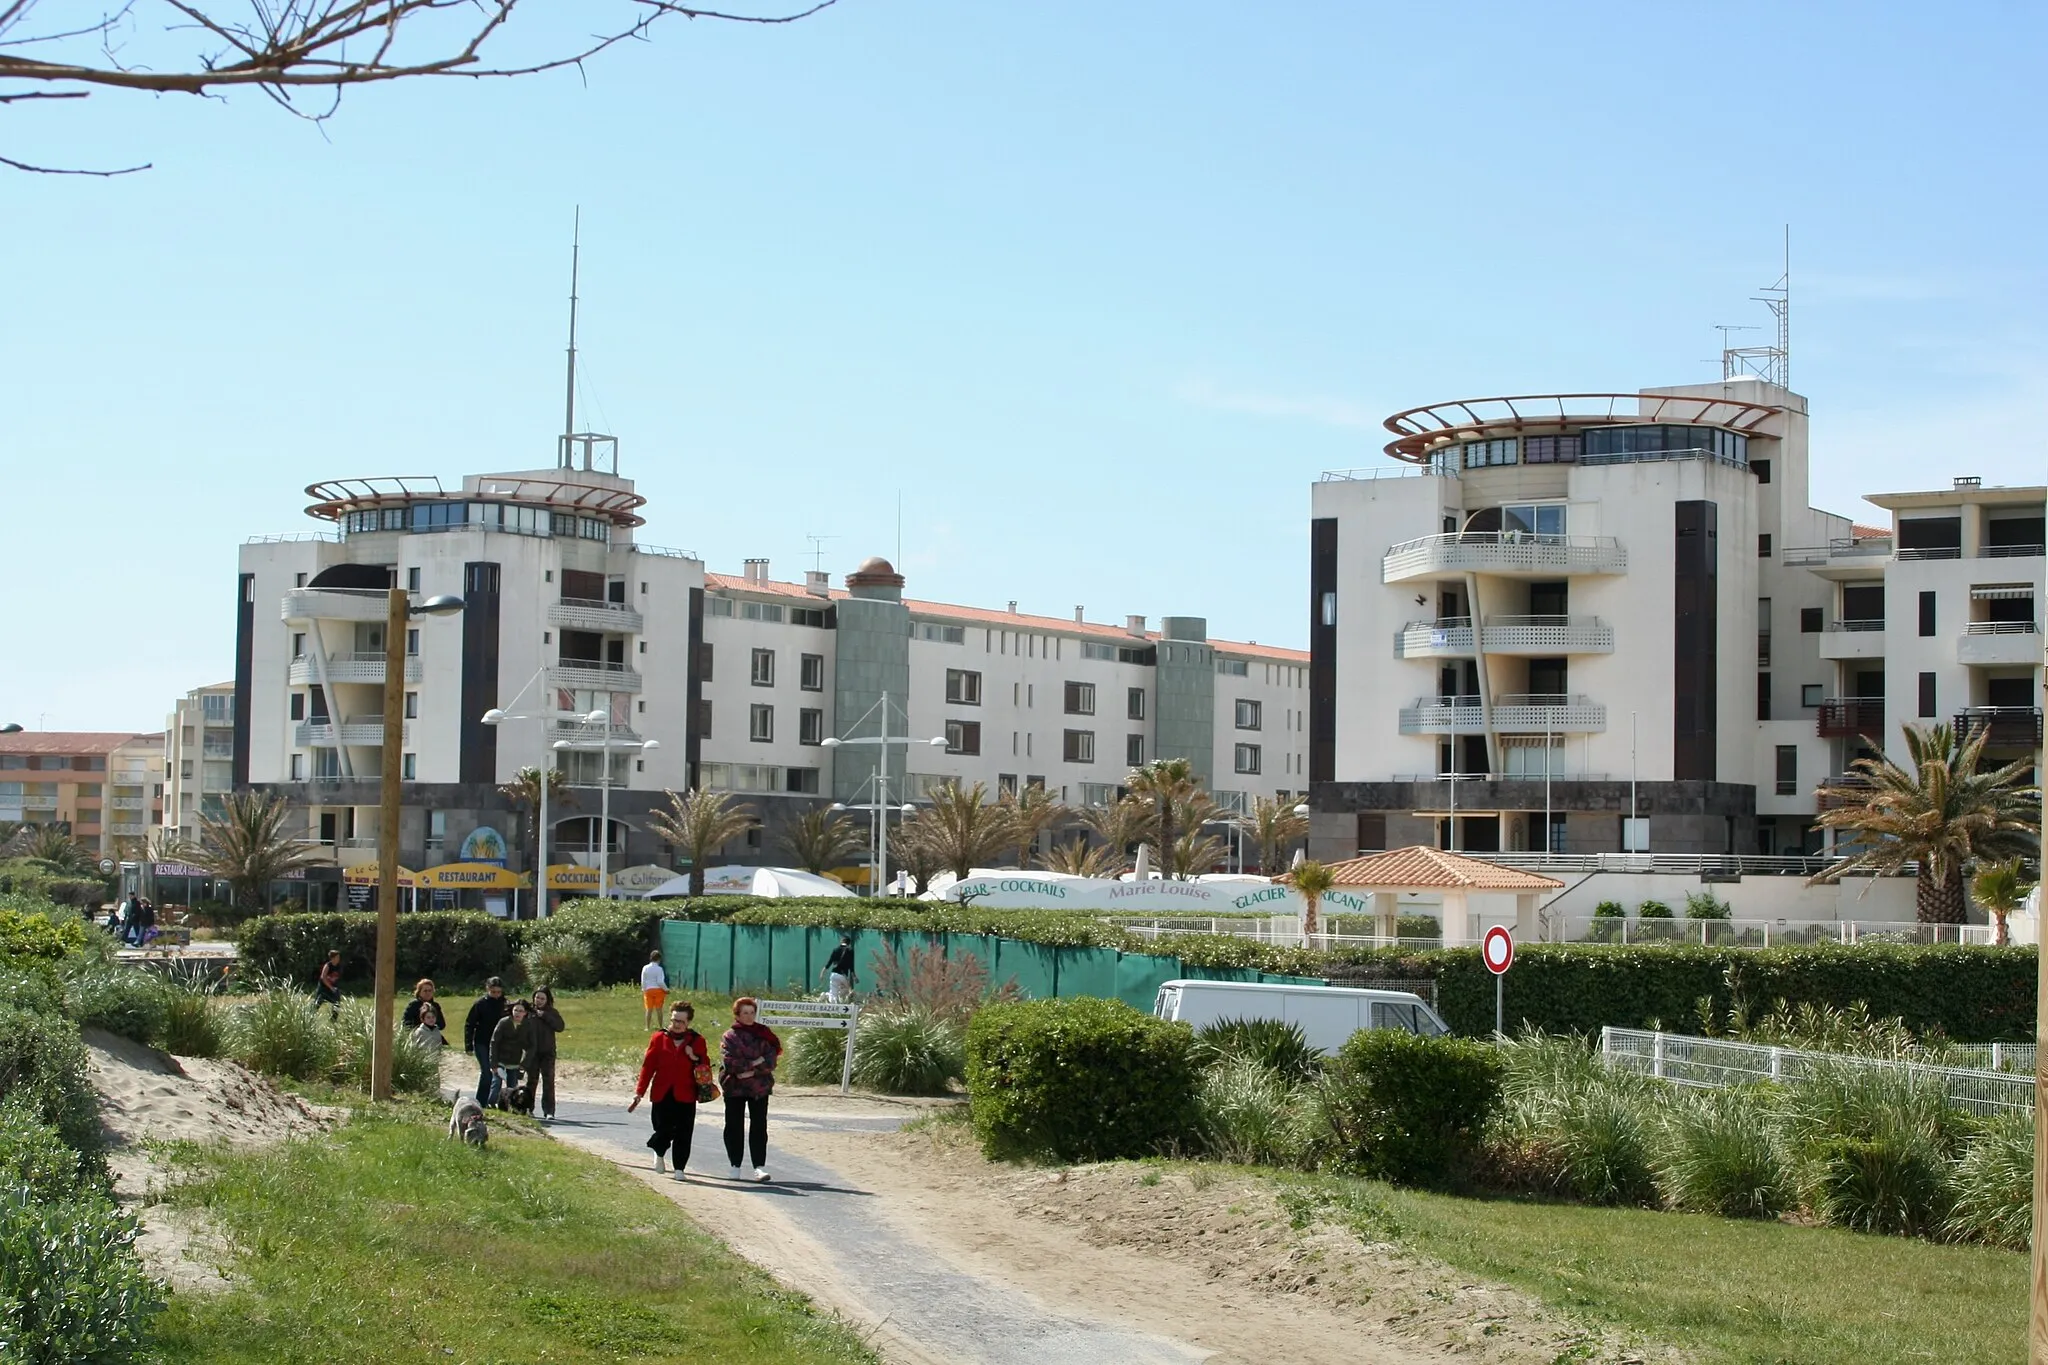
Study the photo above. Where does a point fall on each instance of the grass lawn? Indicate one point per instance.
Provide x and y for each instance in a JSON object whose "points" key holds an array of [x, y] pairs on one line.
{"points": [[606, 1025], [387, 1242], [1731, 1293]]}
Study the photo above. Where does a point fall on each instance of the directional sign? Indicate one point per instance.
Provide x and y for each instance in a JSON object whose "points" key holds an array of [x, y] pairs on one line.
{"points": [[816, 1014], [1497, 950]]}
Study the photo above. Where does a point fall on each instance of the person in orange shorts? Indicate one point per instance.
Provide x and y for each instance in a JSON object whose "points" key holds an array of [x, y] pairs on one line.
{"points": [[654, 991]]}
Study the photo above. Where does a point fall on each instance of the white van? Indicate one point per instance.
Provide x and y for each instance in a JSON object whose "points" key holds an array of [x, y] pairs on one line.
{"points": [[1328, 1015]]}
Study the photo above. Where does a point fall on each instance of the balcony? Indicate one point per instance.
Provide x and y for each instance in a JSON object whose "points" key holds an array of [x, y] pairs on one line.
{"points": [[349, 668], [582, 613], [1847, 718], [593, 674], [1999, 642], [2008, 725], [1837, 792], [1841, 559], [1449, 638], [1554, 713], [1515, 554], [1444, 716], [1853, 640], [336, 604], [126, 802], [1546, 635], [355, 732]]}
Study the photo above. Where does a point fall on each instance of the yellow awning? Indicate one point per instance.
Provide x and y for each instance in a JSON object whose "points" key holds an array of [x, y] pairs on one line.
{"points": [[365, 874], [472, 877]]}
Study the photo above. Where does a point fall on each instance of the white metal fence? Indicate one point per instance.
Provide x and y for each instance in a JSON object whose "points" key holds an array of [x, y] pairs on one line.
{"points": [[1715, 1062], [1752, 933]]}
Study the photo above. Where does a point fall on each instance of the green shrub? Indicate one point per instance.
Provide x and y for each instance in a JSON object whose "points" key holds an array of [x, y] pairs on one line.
{"points": [[1653, 909], [1272, 1043], [907, 1052], [43, 1070], [615, 935], [31, 985], [28, 930], [279, 1034], [1610, 910], [1245, 1112], [1080, 1079], [72, 1291], [814, 1057], [1706, 905], [121, 1000], [457, 948], [1994, 1185], [1895, 1181], [563, 963], [42, 882], [1601, 1145], [1411, 1109], [1724, 1152], [191, 1025], [33, 1155], [414, 1070]]}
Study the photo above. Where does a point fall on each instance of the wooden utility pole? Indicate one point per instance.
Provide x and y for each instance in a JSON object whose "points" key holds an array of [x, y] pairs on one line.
{"points": [[387, 841]]}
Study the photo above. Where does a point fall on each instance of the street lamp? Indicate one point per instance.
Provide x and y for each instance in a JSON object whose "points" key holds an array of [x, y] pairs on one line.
{"points": [[605, 744], [878, 814], [497, 716], [399, 608], [883, 741]]}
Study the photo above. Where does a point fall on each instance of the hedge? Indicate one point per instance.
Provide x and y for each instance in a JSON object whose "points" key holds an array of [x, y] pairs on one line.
{"points": [[1079, 1080], [1410, 1109], [616, 935], [458, 948]]}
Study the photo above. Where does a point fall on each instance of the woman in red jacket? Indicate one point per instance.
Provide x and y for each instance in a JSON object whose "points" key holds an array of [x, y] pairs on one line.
{"points": [[676, 1064]]}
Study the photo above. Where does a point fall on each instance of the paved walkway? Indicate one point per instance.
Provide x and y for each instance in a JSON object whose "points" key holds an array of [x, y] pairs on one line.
{"points": [[947, 1312]]}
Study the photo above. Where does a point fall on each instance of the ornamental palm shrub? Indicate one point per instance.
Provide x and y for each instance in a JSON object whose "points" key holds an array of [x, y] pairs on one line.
{"points": [[414, 1070], [1275, 1044], [1724, 1152], [1245, 1112], [1875, 1145], [1994, 1185]]}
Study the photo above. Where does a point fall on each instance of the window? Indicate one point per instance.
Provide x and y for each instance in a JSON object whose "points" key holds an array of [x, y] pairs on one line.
{"points": [[437, 829], [1533, 519], [1762, 470], [412, 580], [1248, 716], [763, 673], [298, 580], [1134, 751], [1095, 649], [1809, 694], [804, 780], [1927, 613], [298, 768], [932, 630], [1080, 745], [643, 646], [704, 661], [298, 708], [761, 611], [963, 688], [1080, 699], [1788, 770], [1006, 784], [408, 767], [1927, 695], [1809, 620], [1548, 450], [1098, 794], [1248, 758], [718, 606], [810, 726], [1763, 696], [1134, 703], [761, 723], [810, 673], [1763, 546], [412, 706], [963, 736], [1234, 668], [704, 719], [299, 641], [412, 644], [1329, 609], [808, 616], [1480, 454]]}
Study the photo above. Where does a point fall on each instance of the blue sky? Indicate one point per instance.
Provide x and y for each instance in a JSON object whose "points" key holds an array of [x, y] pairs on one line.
{"points": [[1098, 290]]}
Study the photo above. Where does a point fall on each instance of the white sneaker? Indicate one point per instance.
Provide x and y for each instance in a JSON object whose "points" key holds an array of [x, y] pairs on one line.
{"points": [[660, 1164], [760, 1173], [678, 1174], [735, 1173]]}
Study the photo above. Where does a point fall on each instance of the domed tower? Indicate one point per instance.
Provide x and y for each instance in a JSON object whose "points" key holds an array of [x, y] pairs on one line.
{"points": [[872, 658]]}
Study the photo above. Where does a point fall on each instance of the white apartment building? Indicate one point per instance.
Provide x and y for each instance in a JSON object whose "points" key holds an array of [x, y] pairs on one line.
{"points": [[1549, 602], [738, 680], [198, 757]]}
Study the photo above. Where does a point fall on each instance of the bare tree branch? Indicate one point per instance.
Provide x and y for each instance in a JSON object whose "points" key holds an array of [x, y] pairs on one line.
{"points": [[12, 164]]}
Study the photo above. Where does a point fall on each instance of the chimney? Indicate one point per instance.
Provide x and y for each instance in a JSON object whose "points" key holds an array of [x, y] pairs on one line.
{"points": [[1135, 624], [1013, 606], [817, 583], [756, 571], [1078, 619]]}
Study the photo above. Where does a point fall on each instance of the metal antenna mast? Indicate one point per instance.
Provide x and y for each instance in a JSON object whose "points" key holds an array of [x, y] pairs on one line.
{"points": [[1772, 364], [575, 267]]}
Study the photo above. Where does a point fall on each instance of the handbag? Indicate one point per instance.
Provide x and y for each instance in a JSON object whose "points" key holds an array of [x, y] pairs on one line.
{"points": [[707, 1089]]}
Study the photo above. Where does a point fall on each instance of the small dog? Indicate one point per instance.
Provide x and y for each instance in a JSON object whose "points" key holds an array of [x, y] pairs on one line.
{"points": [[467, 1122]]}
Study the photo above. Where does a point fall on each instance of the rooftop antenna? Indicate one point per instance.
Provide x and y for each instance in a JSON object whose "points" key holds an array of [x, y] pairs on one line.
{"points": [[818, 550], [1772, 364], [599, 453]]}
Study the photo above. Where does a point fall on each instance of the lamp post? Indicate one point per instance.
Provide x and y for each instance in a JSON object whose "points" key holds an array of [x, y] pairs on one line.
{"points": [[877, 814], [883, 740], [605, 744], [495, 716], [399, 608]]}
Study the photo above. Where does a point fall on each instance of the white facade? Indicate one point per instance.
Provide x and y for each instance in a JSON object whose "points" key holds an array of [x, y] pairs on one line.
{"points": [[199, 752]]}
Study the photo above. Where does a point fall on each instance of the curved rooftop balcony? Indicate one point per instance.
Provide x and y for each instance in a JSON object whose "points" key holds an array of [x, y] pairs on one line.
{"points": [[1420, 431], [392, 497], [1514, 554]]}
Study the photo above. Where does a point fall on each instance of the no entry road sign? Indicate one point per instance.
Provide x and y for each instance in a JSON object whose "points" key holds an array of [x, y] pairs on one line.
{"points": [[1497, 951]]}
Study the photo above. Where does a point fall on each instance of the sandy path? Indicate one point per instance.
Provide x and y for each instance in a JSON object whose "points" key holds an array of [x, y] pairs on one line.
{"points": [[950, 1259]]}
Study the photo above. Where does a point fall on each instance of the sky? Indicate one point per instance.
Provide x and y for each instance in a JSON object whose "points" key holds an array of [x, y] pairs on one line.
{"points": [[1093, 293]]}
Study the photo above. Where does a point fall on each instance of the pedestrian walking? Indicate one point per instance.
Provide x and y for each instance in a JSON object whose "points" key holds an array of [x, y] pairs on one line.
{"points": [[839, 975], [422, 995], [147, 909], [427, 1027], [653, 990], [327, 985], [547, 1022], [747, 1056], [512, 1049], [676, 1071], [477, 1025]]}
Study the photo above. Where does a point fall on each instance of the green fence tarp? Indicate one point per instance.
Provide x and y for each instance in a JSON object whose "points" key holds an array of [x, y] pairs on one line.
{"points": [[1138, 978], [1033, 966], [714, 960], [679, 951], [750, 958], [1089, 971], [1274, 979], [1222, 974]]}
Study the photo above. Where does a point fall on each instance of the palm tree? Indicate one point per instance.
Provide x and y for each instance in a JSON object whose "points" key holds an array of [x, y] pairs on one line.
{"points": [[1943, 814], [1999, 888], [1080, 858], [821, 839], [916, 852], [54, 845], [962, 828], [1274, 826], [1127, 822], [698, 824], [1166, 785], [1311, 879], [1195, 852], [522, 793], [253, 842], [1031, 812]]}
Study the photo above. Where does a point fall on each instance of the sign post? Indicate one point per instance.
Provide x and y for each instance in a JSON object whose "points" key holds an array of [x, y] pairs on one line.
{"points": [[1497, 951], [816, 1014]]}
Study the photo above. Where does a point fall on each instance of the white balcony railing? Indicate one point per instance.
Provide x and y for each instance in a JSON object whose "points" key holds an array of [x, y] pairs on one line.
{"points": [[1518, 553], [349, 668], [336, 604], [355, 732], [582, 613], [1548, 713], [594, 674], [1861, 638], [1443, 716], [1999, 642], [1450, 637], [1546, 635]]}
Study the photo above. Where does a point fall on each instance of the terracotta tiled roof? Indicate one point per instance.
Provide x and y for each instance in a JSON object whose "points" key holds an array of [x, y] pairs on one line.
{"points": [[68, 741], [1008, 620], [1432, 869], [1858, 531]]}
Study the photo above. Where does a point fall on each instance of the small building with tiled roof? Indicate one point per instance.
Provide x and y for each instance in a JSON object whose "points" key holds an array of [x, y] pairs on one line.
{"points": [[1421, 870], [100, 786]]}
